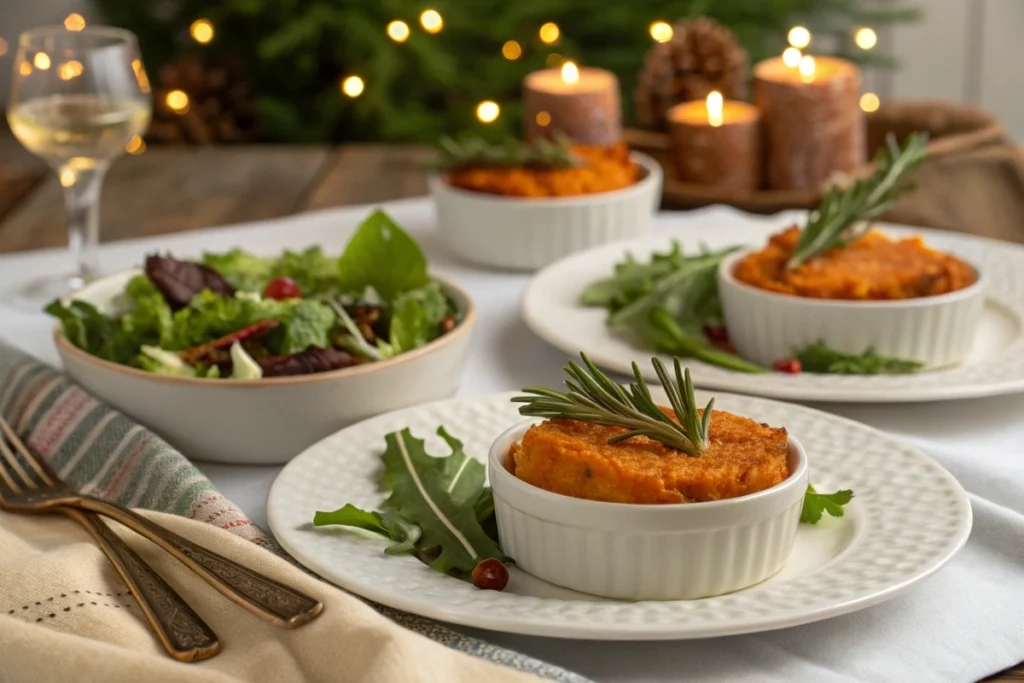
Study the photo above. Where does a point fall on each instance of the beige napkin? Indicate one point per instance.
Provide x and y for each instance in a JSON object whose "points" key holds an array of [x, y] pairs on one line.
{"points": [[65, 615]]}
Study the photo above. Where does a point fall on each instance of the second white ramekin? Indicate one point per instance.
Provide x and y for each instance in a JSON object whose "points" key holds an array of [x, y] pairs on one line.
{"points": [[645, 552], [529, 233], [766, 326]]}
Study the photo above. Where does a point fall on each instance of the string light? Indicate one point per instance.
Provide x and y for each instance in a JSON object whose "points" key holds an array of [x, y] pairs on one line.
{"points": [[869, 102], [177, 101], [554, 60], [550, 32], [543, 118], [3, 47], [791, 57], [511, 50], [201, 31], [431, 21], [661, 32], [799, 37], [865, 38], [807, 68], [487, 111], [353, 86], [135, 146], [69, 70], [398, 31], [25, 69], [570, 73], [74, 22], [42, 61]]}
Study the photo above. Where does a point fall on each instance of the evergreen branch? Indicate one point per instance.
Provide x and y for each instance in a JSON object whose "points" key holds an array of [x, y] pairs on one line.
{"points": [[594, 398], [845, 215]]}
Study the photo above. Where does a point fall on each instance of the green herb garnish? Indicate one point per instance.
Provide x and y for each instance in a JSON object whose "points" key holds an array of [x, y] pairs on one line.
{"points": [[594, 398], [820, 358], [817, 503], [844, 215], [439, 507], [478, 152], [667, 304]]}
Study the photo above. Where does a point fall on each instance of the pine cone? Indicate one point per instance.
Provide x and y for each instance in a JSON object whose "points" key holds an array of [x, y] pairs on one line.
{"points": [[702, 56], [221, 105]]}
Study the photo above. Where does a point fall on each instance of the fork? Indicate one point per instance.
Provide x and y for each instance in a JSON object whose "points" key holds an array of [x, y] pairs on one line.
{"points": [[259, 594], [182, 632]]}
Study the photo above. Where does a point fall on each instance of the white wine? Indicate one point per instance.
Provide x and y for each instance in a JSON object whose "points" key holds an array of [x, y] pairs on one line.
{"points": [[88, 128]]}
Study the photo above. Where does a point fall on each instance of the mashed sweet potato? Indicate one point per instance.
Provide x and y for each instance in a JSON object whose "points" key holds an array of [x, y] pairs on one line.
{"points": [[573, 458], [605, 169], [873, 267]]}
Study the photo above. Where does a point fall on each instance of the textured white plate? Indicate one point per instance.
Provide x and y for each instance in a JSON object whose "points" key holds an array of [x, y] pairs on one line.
{"points": [[995, 366], [908, 518]]}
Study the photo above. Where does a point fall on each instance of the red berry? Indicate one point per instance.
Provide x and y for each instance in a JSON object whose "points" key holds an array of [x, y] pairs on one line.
{"points": [[716, 333], [788, 365], [490, 575], [282, 288]]}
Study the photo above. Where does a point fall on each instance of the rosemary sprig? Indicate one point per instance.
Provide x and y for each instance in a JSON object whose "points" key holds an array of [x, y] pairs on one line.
{"points": [[594, 398], [478, 152], [844, 215]]}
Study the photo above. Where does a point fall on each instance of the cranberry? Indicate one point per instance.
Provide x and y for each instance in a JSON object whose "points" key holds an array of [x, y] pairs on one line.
{"points": [[716, 333], [282, 288], [490, 575], [787, 365]]}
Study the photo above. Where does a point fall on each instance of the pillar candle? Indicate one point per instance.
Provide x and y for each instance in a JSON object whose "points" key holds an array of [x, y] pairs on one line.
{"points": [[581, 104], [716, 142]]}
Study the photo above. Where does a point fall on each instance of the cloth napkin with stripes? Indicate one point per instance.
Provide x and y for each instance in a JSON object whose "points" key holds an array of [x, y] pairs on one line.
{"points": [[99, 451]]}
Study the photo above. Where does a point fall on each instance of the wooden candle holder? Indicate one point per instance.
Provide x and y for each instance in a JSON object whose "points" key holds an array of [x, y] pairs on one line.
{"points": [[813, 125], [727, 155], [588, 111]]}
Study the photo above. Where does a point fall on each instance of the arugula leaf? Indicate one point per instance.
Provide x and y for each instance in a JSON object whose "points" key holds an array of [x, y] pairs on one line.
{"points": [[424, 491], [387, 524], [416, 317], [819, 357], [309, 323], [668, 337], [383, 256], [815, 504], [632, 279]]}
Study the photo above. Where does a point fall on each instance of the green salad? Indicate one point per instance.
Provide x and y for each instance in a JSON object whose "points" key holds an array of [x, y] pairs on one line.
{"points": [[238, 315]]}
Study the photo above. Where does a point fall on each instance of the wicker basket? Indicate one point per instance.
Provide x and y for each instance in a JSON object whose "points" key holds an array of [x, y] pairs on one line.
{"points": [[973, 180]]}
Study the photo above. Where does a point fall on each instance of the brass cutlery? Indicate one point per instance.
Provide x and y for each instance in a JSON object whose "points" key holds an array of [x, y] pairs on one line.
{"points": [[259, 594]]}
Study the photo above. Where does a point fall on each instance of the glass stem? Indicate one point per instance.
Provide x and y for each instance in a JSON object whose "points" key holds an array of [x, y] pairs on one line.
{"points": [[82, 199]]}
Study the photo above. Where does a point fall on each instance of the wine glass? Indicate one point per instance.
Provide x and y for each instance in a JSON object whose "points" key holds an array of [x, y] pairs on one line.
{"points": [[77, 100]]}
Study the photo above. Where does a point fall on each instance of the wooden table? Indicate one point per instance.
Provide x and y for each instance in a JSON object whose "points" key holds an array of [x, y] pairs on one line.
{"points": [[173, 189]]}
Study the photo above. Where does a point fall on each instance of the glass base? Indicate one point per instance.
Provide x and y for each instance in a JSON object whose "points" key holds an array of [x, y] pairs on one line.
{"points": [[32, 296]]}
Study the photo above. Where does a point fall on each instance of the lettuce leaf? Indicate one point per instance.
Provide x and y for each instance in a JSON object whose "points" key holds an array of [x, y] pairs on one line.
{"points": [[315, 272], [308, 323], [416, 317], [383, 256], [209, 316], [246, 272]]}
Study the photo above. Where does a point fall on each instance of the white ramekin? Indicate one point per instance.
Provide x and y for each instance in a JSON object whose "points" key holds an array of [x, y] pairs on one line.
{"points": [[768, 326], [645, 552], [528, 233]]}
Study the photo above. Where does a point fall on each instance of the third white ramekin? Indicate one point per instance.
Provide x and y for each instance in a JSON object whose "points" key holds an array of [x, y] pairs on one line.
{"points": [[768, 326], [645, 552], [528, 233]]}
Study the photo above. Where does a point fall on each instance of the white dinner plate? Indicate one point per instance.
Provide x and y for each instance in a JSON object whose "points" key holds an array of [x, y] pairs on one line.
{"points": [[551, 308], [908, 518]]}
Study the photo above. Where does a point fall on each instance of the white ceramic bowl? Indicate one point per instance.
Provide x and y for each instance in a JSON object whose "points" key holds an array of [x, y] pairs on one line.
{"points": [[646, 552], [528, 233], [266, 421], [768, 326]]}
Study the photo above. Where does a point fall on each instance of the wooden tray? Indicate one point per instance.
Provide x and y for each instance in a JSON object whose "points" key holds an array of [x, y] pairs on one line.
{"points": [[954, 128]]}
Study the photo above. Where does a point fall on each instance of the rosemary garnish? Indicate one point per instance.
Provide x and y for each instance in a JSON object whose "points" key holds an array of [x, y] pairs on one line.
{"points": [[594, 398], [478, 152], [844, 215]]}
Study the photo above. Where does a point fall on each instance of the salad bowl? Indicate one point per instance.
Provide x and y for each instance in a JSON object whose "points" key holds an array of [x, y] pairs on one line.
{"points": [[269, 420]]}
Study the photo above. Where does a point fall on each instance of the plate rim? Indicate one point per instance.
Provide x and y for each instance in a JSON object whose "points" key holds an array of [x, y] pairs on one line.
{"points": [[735, 382], [600, 631]]}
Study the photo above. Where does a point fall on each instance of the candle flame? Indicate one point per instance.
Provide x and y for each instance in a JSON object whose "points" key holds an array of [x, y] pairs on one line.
{"points": [[570, 72], [714, 107], [807, 68]]}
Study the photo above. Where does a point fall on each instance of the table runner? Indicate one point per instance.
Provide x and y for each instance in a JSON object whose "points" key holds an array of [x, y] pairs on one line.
{"points": [[962, 624], [101, 452]]}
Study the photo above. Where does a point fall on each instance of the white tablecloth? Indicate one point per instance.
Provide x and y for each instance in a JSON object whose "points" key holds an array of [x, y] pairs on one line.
{"points": [[960, 625]]}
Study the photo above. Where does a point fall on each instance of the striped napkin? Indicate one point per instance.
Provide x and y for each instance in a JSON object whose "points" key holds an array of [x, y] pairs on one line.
{"points": [[99, 451]]}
